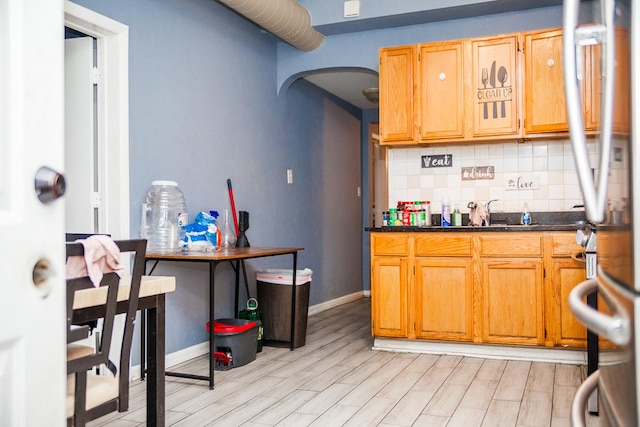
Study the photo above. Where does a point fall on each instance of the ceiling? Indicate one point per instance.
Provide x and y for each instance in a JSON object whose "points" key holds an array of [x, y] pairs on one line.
{"points": [[347, 85]]}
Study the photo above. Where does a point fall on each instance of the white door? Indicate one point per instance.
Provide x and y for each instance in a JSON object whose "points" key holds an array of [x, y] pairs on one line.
{"points": [[81, 197], [97, 125], [32, 316]]}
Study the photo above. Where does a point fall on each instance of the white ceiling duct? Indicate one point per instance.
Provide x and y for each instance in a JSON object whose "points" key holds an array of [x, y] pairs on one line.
{"points": [[287, 19]]}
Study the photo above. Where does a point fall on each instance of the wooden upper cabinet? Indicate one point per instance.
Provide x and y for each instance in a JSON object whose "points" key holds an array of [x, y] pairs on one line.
{"points": [[397, 89], [441, 91], [593, 89], [545, 105], [494, 83]]}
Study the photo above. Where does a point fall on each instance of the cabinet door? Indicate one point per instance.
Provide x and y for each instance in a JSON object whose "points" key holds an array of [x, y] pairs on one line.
{"points": [[494, 81], [389, 296], [593, 89], [444, 299], [545, 106], [566, 274], [397, 90], [441, 91], [512, 308]]}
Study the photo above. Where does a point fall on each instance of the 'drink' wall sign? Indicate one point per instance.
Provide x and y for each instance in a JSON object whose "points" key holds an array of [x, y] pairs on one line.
{"points": [[473, 173]]}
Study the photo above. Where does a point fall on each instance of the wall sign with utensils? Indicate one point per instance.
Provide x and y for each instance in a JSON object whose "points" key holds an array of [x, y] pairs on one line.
{"points": [[493, 99], [494, 79]]}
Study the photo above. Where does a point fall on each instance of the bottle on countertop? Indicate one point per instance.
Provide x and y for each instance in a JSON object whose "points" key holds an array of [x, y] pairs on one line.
{"points": [[456, 218], [446, 213], [525, 219]]}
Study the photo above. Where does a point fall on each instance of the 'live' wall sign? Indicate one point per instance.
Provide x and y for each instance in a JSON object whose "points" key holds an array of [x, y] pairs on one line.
{"points": [[437, 161]]}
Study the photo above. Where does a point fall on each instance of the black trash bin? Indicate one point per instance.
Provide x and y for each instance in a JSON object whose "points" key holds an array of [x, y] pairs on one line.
{"points": [[274, 297]]}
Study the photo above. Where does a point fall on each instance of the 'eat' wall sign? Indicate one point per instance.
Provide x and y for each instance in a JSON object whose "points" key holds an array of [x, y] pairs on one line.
{"points": [[437, 161]]}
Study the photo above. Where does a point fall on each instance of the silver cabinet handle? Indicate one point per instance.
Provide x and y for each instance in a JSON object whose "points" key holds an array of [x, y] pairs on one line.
{"points": [[580, 399], [615, 328], [574, 38]]}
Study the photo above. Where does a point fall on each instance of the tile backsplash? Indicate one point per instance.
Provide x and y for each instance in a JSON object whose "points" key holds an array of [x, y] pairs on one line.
{"points": [[539, 173]]}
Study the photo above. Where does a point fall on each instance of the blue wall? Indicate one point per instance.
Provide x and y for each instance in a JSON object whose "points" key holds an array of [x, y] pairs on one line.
{"points": [[203, 108]]}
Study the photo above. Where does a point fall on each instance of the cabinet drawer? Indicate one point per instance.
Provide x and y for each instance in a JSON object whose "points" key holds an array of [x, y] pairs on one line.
{"points": [[511, 245], [390, 244], [564, 245], [443, 244]]}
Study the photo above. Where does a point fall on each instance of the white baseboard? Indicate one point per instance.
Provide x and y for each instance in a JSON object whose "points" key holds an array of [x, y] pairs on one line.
{"points": [[317, 308], [551, 355], [189, 353]]}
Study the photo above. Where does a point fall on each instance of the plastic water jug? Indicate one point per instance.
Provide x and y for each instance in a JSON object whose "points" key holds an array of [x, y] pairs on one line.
{"points": [[164, 212]]}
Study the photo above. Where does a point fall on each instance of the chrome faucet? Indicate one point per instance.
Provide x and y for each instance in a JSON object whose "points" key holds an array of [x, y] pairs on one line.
{"points": [[487, 208]]}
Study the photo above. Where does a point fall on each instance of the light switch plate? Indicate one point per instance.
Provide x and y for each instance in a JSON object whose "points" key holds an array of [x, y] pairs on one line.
{"points": [[351, 8]]}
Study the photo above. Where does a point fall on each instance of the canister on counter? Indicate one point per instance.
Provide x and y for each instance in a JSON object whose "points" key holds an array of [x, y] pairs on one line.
{"points": [[393, 216], [426, 204], [406, 217]]}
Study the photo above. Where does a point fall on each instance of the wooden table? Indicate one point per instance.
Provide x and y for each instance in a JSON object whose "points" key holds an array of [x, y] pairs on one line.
{"points": [[214, 258], [152, 302]]}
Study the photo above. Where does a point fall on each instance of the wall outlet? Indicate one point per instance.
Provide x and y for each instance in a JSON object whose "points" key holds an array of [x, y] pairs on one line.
{"points": [[289, 176]]}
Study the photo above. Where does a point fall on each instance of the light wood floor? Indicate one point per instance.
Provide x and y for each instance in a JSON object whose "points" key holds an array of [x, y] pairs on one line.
{"points": [[336, 379]]}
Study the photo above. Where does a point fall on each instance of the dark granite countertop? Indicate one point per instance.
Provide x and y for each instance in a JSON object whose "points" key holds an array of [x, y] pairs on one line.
{"points": [[469, 229], [503, 221]]}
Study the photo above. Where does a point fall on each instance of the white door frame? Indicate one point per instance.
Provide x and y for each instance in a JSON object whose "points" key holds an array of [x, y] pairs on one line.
{"points": [[113, 110]]}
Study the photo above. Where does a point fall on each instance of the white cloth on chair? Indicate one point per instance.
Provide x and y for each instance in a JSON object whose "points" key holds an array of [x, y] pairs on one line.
{"points": [[101, 255]]}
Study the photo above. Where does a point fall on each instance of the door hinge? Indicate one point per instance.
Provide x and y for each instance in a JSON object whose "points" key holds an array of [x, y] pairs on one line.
{"points": [[520, 48], [544, 273], [95, 200], [545, 333], [96, 76]]}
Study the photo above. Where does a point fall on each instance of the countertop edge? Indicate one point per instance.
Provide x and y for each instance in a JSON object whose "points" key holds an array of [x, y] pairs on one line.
{"points": [[470, 229]]}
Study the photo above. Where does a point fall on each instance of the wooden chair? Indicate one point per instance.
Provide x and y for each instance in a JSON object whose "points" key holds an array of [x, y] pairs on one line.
{"points": [[91, 396]]}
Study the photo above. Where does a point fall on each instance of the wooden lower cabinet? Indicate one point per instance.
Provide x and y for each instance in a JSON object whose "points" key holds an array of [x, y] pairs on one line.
{"points": [[565, 274], [443, 298], [498, 288], [512, 303], [389, 296]]}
